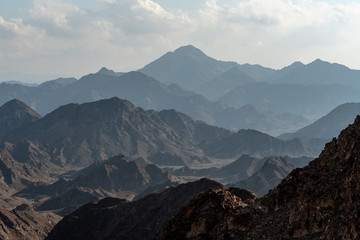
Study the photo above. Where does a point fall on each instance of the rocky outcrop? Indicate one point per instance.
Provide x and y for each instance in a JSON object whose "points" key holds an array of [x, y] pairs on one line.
{"points": [[319, 201], [25, 225], [115, 219]]}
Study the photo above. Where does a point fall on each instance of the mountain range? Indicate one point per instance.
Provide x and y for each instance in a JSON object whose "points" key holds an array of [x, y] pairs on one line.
{"points": [[145, 92], [319, 201], [116, 168], [115, 177]]}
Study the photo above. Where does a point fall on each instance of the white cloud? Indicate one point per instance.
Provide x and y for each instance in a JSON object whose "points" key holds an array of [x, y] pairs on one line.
{"points": [[127, 34], [15, 28]]}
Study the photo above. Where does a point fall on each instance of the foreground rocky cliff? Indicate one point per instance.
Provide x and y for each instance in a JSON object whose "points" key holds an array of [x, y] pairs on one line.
{"points": [[321, 200]]}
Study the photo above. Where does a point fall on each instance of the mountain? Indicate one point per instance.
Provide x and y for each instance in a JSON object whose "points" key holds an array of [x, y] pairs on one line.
{"points": [[15, 115], [254, 143], [143, 91], [250, 117], [191, 69], [116, 219], [319, 201], [76, 135], [79, 134], [22, 168], [317, 72], [224, 83], [25, 225], [187, 127], [329, 125], [109, 72], [267, 177], [313, 100], [244, 169], [20, 83], [116, 176]]}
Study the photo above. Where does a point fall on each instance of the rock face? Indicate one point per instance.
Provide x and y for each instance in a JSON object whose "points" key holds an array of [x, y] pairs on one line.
{"points": [[25, 225], [321, 200], [115, 219]]}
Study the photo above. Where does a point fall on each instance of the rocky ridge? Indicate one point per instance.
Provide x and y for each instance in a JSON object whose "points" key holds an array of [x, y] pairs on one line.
{"points": [[115, 219], [321, 200]]}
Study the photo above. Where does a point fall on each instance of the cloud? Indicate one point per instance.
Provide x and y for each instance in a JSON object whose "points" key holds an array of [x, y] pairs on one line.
{"points": [[15, 28], [127, 34]]}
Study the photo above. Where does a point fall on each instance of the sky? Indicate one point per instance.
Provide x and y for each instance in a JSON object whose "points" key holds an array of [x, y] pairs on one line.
{"points": [[46, 39]]}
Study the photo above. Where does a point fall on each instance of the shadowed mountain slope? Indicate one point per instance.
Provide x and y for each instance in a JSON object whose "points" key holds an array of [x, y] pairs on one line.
{"points": [[15, 115], [115, 219]]}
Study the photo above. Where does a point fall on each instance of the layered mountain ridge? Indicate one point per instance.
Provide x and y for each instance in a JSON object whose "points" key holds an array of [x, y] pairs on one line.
{"points": [[320, 200]]}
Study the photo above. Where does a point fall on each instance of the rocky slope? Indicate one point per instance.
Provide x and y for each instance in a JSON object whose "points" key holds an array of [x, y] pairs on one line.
{"points": [[25, 224], [81, 134], [319, 201], [115, 219], [116, 176]]}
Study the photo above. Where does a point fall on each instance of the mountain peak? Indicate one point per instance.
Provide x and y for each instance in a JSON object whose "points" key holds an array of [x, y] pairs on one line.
{"points": [[318, 61], [14, 115], [16, 106], [109, 72], [189, 50]]}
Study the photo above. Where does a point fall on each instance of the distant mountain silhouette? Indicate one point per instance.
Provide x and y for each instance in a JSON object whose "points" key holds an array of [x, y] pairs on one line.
{"points": [[109, 72], [329, 125], [143, 91], [224, 83], [255, 143], [312, 100], [190, 68], [317, 72]]}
